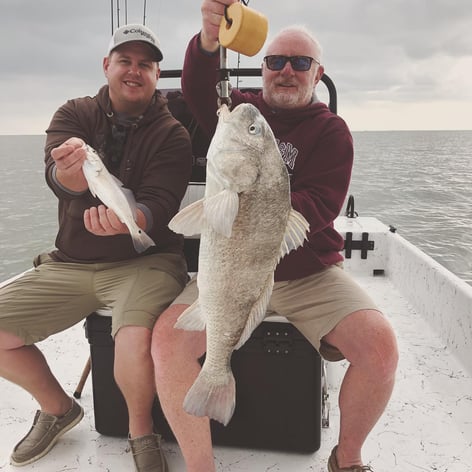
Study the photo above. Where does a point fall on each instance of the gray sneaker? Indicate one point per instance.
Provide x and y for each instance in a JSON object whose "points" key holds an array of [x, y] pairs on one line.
{"points": [[44, 433], [147, 454]]}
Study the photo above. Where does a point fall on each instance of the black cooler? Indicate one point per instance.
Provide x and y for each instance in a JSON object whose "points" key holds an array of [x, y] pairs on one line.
{"points": [[278, 390]]}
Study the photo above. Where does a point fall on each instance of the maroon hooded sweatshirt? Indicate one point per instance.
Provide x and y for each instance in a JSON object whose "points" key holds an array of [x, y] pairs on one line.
{"points": [[316, 146]]}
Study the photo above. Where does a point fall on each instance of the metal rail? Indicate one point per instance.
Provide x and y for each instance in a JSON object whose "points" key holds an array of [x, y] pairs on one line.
{"points": [[256, 72]]}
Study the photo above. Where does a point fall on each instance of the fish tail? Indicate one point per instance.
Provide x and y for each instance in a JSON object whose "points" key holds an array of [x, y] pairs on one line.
{"points": [[141, 241], [215, 400]]}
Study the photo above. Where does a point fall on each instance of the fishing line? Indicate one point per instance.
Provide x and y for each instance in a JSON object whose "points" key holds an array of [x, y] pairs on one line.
{"points": [[238, 78]]}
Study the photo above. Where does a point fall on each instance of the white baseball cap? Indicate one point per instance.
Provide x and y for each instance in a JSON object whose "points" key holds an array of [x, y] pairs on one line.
{"points": [[137, 32]]}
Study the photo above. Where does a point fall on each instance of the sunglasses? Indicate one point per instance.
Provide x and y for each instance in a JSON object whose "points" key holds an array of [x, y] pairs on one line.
{"points": [[298, 63]]}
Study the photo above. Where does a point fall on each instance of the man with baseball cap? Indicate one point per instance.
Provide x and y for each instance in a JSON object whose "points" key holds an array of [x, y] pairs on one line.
{"points": [[95, 264]]}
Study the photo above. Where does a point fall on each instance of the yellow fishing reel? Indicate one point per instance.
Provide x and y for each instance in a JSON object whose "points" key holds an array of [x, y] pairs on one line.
{"points": [[243, 29]]}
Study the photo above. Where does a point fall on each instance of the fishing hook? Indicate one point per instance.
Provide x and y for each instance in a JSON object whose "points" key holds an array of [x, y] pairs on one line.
{"points": [[227, 18], [229, 21]]}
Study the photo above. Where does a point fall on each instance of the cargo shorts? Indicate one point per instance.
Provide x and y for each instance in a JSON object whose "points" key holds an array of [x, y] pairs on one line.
{"points": [[313, 304], [54, 296]]}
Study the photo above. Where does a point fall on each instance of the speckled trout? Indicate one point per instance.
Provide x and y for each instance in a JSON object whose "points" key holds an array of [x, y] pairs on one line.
{"points": [[246, 225], [113, 195]]}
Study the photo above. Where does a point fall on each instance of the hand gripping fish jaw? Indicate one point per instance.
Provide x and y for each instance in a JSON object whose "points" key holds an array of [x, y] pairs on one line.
{"points": [[94, 159]]}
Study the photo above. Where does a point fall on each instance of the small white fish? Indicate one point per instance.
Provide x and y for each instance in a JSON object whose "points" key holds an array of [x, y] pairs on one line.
{"points": [[113, 195], [247, 225]]}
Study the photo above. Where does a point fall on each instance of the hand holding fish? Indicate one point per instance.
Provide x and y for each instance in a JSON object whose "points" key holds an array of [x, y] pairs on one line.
{"points": [[69, 158], [119, 214], [102, 221]]}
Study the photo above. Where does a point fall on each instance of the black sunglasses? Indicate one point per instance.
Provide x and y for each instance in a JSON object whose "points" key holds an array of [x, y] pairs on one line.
{"points": [[298, 63]]}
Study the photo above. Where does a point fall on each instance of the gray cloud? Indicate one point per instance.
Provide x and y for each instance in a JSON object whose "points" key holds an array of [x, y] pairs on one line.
{"points": [[399, 51]]}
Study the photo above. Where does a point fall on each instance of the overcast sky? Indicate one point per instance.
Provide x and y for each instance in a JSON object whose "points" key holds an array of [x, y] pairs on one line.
{"points": [[398, 64]]}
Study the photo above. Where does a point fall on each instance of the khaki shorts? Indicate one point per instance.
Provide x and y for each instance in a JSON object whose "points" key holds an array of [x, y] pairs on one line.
{"points": [[314, 304], [56, 295]]}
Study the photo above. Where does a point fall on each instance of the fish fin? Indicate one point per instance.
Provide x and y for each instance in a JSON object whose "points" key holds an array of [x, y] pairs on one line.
{"points": [[295, 233], [118, 181], [88, 170], [141, 240], [221, 210], [257, 313], [129, 197], [215, 400], [91, 183], [191, 319], [92, 189], [128, 193], [188, 221]]}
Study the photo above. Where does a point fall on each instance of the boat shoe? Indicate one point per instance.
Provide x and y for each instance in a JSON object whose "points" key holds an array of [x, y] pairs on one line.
{"points": [[334, 467], [44, 433], [147, 454]]}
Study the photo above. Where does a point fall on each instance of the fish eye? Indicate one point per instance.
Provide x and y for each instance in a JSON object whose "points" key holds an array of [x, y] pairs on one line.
{"points": [[254, 128]]}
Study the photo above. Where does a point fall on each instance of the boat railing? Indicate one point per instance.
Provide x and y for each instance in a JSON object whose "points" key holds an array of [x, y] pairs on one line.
{"points": [[256, 72]]}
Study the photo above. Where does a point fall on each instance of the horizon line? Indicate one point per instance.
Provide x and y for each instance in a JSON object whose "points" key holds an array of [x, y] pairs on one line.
{"points": [[352, 131]]}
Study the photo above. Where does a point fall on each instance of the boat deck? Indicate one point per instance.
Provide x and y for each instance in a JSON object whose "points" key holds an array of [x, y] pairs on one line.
{"points": [[426, 427]]}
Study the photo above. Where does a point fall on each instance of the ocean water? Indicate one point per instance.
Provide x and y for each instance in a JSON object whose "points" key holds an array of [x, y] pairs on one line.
{"points": [[418, 181], [28, 210], [421, 183]]}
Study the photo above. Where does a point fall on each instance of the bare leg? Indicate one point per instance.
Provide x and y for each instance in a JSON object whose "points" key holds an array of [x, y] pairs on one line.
{"points": [[368, 343], [134, 375], [27, 367], [175, 353]]}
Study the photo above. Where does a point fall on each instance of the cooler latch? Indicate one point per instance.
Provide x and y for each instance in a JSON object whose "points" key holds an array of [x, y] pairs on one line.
{"points": [[277, 341]]}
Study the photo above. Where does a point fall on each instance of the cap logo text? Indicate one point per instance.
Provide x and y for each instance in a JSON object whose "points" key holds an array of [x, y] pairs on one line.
{"points": [[141, 32]]}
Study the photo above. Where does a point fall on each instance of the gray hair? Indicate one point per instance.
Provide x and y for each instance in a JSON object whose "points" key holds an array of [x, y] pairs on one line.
{"points": [[300, 29]]}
